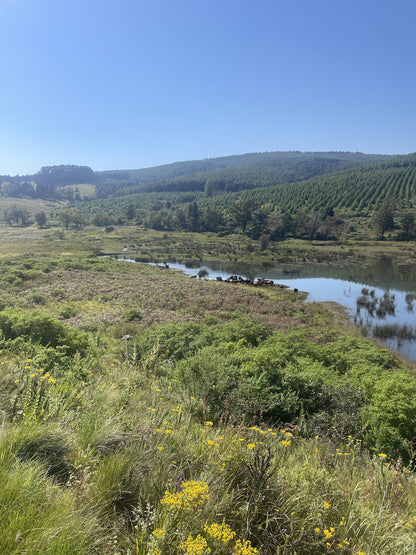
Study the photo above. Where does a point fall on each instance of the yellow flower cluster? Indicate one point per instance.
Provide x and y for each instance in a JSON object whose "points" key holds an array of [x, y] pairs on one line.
{"points": [[159, 533], [38, 373], [329, 533], [195, 546], [192, 495], [244, 548], [221, 532]]}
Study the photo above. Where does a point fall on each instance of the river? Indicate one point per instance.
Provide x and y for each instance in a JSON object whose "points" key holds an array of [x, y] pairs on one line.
{"points": [[384, 290]]}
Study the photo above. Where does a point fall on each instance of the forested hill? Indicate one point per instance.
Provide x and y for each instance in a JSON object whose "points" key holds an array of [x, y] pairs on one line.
{"points": [[358, 190], [327, 206], [230, 173]]}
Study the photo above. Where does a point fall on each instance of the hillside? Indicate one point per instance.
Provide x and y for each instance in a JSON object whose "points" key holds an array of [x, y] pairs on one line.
{"points": [[280, 194], [327, 206], [230, 173], [282, 166]]}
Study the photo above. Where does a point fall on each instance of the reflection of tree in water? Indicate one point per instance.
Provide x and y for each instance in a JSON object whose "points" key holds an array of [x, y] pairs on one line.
{"points": [[380, 305], [409, 298]]}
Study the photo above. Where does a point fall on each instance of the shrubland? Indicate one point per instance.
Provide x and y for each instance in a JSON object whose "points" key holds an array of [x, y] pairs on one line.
{"points": [[144, 412]]}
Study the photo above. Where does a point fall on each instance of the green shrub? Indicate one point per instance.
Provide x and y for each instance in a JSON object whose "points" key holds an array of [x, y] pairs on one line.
{"points": [[37, 298], [42, 329], [131, 314], [68, 311]]}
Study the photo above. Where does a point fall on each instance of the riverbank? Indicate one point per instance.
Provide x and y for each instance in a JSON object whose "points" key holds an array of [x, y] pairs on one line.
{"points": [[150, 245], [157, 411]]}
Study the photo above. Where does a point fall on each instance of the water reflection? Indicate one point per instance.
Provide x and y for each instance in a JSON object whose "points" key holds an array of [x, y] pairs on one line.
{"points": [[379, 294]]}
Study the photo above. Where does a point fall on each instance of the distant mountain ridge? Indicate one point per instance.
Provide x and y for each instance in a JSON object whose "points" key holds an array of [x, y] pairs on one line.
{"points": [[227, 174], [231, 173]]}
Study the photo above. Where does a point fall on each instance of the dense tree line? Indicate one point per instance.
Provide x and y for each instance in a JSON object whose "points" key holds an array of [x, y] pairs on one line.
{"points": [[232, 173], [51, 182]]}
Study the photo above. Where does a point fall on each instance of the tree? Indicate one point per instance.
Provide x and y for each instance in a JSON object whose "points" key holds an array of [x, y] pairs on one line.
{"points": [[65, 217], [264, 241], [384, 217], [102, 220], [131, 212], [40, 218], [192, 216], [241, 213], [408, 225], [78, 220], [16, 215], [307, 223]]}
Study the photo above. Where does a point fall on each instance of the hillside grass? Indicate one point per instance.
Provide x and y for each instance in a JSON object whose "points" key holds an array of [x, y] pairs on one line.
{"points": [[30, 205], [145, 412]]}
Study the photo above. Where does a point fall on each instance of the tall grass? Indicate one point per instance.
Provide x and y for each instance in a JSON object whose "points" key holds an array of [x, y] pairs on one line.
{"points": [[201, 431]]}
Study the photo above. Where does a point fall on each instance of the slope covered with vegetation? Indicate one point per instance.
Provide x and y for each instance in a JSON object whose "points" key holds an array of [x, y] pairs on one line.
{"points": [[144, 412], [280, 194], [356, 203]]}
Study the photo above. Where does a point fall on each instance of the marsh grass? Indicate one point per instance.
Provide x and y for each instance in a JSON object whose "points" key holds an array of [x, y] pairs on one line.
{"points": [[401, 331], [218, 389]]}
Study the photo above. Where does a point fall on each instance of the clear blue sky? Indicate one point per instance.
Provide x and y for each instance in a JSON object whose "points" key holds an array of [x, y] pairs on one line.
{"points": [[129, 83]]}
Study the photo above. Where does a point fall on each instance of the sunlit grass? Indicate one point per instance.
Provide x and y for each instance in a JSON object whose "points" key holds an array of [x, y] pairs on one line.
{"points": [[171, 441]]}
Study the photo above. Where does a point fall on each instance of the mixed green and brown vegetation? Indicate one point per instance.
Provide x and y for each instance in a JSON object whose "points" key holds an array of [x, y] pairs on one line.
{"points": [[144, 412], [278, 195]]}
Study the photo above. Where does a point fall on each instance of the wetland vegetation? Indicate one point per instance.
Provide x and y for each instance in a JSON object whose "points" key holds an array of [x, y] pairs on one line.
{"points": [[145, 412]]}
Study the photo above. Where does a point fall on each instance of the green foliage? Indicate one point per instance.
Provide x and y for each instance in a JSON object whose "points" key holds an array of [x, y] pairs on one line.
{"points": [[43, 330], [98, 447], [132, 314]]}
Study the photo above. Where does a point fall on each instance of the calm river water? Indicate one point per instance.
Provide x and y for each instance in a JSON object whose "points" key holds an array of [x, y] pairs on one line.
{"points": [[369, 283]]}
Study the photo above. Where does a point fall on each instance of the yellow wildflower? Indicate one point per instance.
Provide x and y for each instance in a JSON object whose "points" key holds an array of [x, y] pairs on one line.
{"points": [[327, 533], [192, 495], [221, 532], [326, 505], [159, 533], [195, 546], [251, 446], [244, 548]]}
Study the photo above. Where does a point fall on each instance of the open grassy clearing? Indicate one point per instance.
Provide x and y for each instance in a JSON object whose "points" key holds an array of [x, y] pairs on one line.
{"points": [[31, 205]]}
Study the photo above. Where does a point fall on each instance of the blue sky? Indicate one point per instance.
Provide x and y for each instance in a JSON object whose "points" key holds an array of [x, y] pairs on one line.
{"points": [[129, 83]]}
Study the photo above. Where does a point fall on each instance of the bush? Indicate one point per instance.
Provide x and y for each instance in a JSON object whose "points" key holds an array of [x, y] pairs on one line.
{"points": [[43, 330], [131, 314], [68, 312], [37, 298]]}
